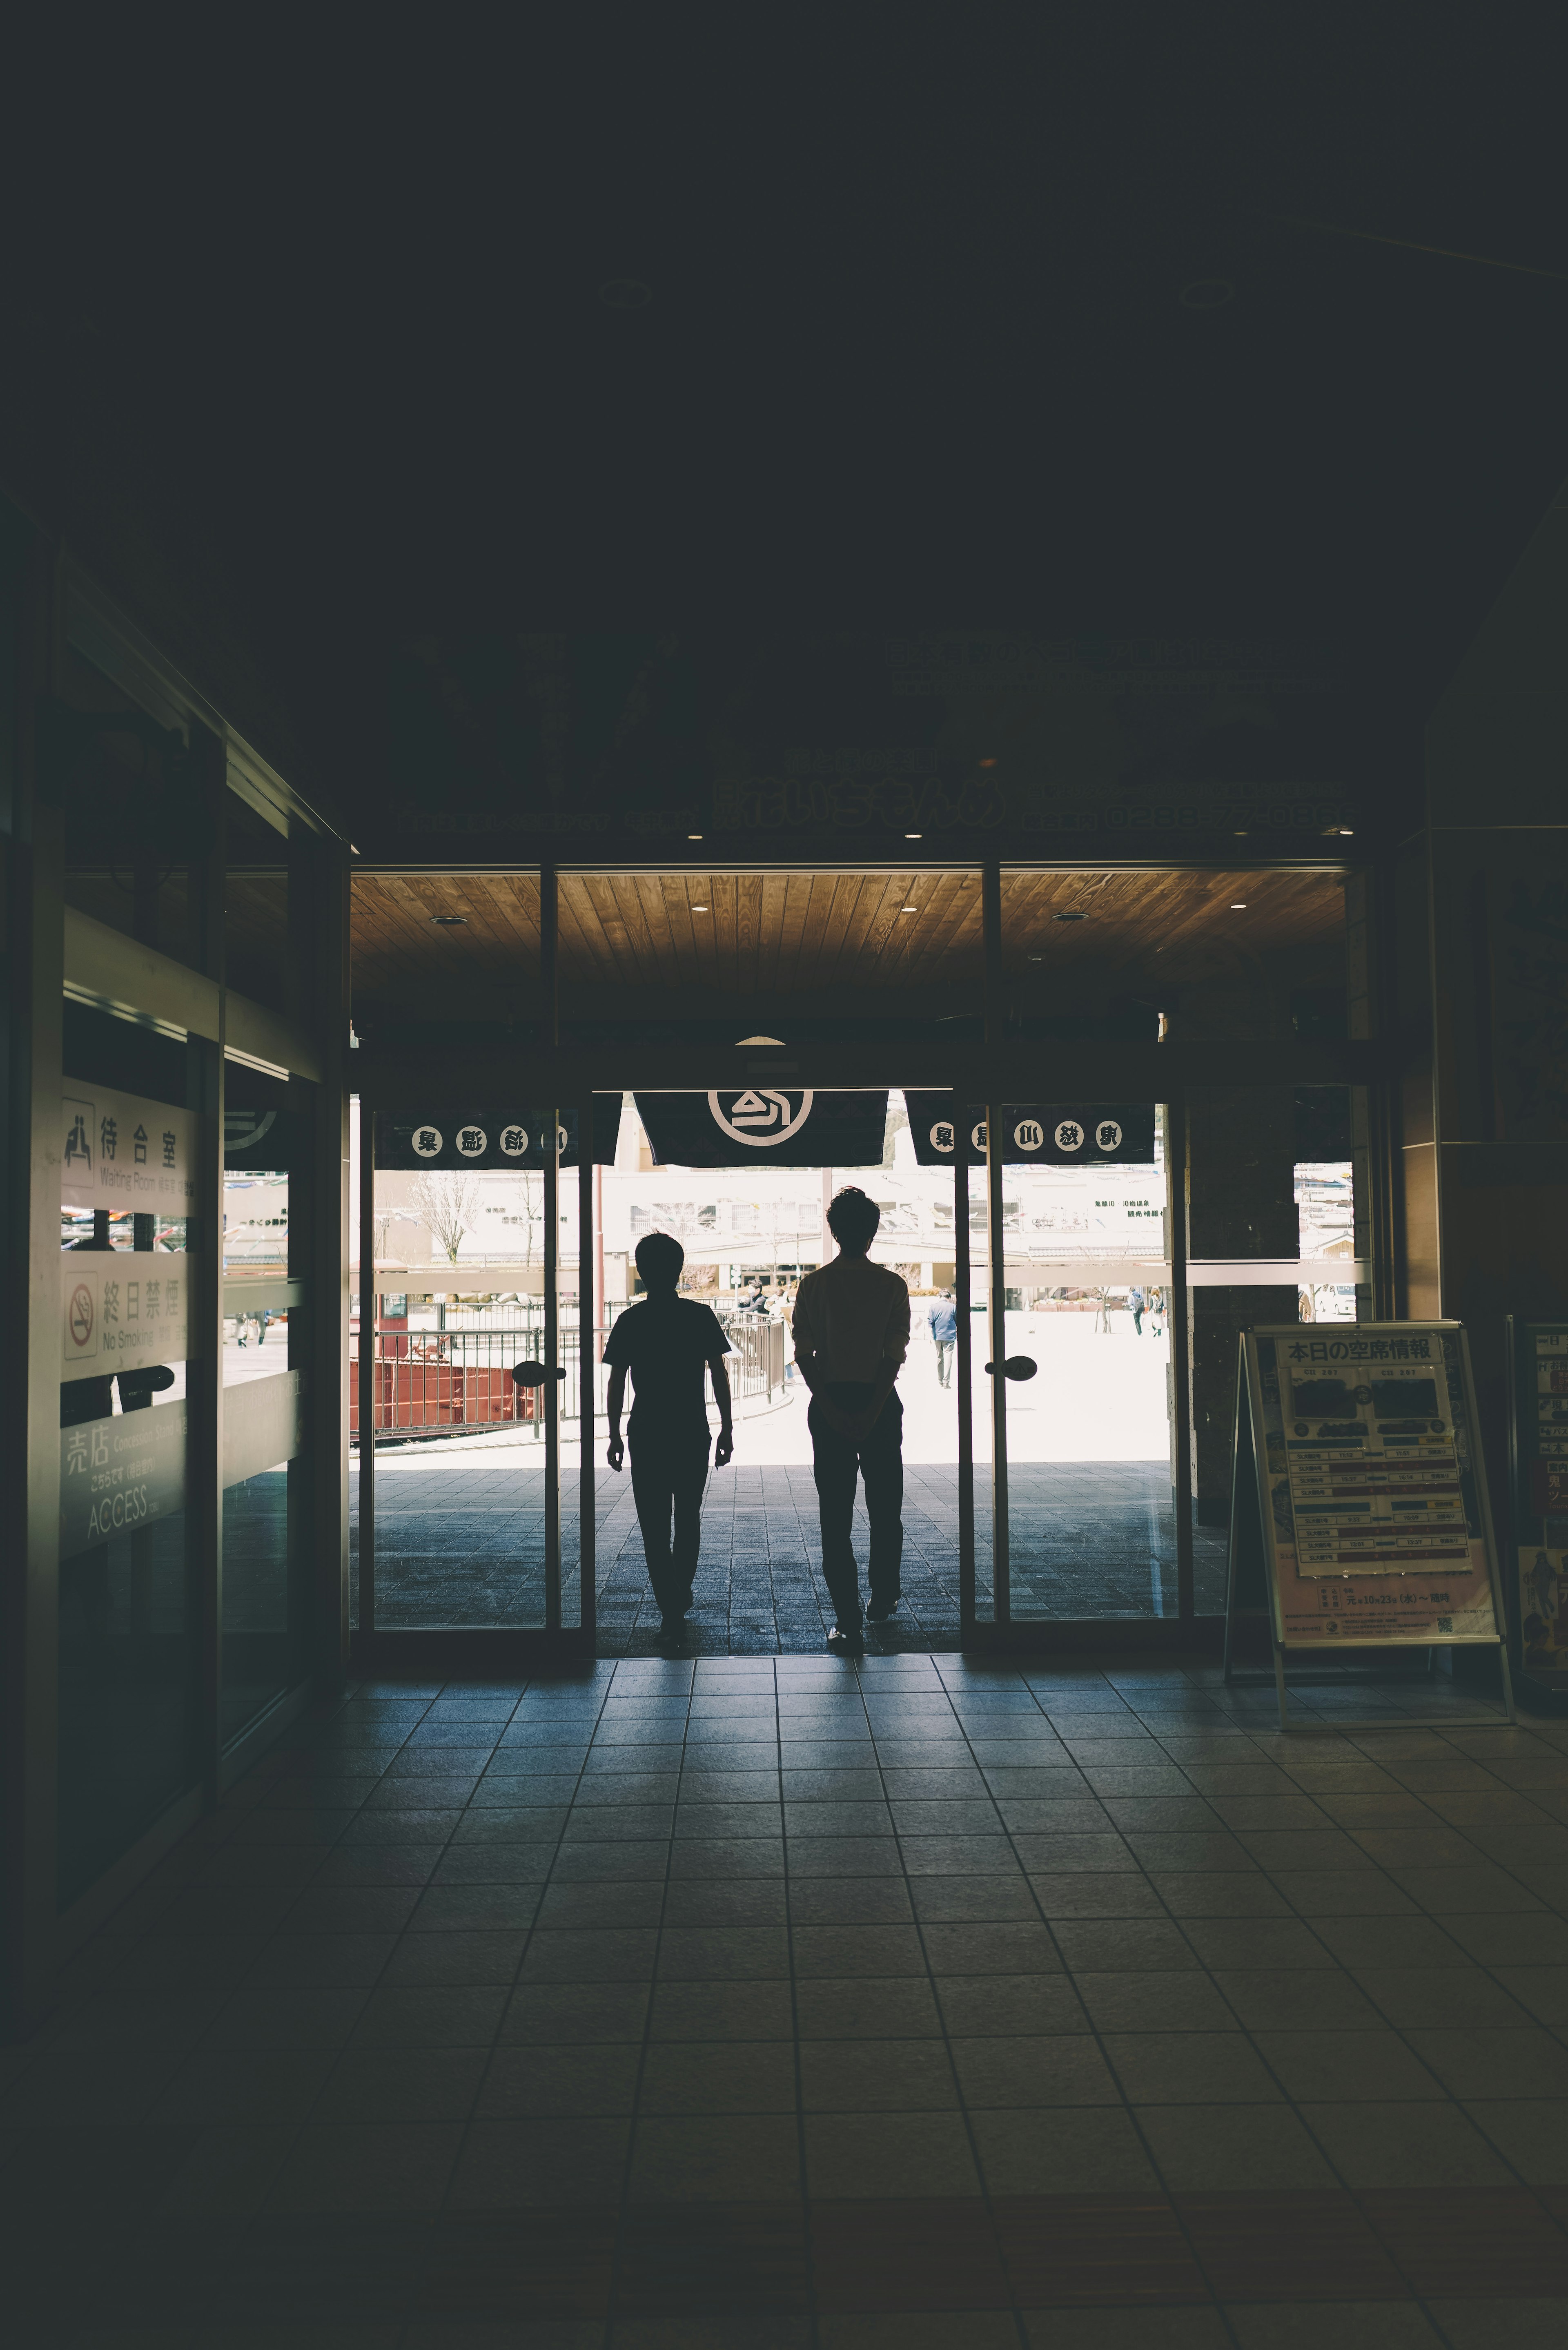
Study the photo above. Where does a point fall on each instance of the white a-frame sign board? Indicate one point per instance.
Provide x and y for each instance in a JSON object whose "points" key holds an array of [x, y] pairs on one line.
{"points": [[1359, 1516]]}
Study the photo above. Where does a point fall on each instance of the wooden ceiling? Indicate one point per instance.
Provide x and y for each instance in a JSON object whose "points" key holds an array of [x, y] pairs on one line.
{"points": [[787, 934]]}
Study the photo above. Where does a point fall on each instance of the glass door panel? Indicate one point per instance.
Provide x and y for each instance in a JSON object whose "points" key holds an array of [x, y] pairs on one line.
{"points": [[1083, 1477], [453, 1415]]}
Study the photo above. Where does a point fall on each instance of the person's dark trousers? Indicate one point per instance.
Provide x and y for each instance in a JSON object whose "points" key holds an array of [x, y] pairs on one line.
{"points": [[668, 1472], [944, 1362], [1137, 1321], [836, 1460]]}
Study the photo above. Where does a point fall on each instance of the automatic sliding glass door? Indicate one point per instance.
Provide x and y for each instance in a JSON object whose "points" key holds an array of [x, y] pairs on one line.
{"points": [[1073, 1268]]}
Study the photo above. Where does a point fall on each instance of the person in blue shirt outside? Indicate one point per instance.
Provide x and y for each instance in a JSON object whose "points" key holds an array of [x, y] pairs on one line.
{"points": [[1137, 1301], [943, 1320]]}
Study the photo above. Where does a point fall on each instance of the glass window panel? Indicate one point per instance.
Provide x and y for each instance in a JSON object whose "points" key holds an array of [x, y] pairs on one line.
{"points": [[267, 1124], [128, 1647], [459, 1450], [133, 817], [1090, 1510], [256, 906]]}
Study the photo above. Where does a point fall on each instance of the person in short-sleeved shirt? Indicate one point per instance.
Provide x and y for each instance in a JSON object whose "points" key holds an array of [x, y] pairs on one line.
{"points": [[670, 1346], [851, 1326]]}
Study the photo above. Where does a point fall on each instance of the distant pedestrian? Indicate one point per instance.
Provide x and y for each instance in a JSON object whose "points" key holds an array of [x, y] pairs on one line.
{"points": [[851, 1333], [1157, 1312], [666, 1343], [1136, 1300], [943, 1318]]}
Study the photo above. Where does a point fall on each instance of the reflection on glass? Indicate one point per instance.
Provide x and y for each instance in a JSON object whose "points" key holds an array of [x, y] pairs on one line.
{"points": [[256, 906], [1091, 1523], [267, 1469], [133, 813], [459, 1456], [127, 1606]]}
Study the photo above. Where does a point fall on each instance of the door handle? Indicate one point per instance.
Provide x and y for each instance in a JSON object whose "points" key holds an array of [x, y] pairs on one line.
{"points": [[535, 1375], [1017, 1367]]}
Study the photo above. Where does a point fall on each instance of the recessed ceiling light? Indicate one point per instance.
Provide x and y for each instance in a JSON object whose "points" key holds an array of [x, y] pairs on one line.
{"points": [[1207, 293], [907, 909], [693, 835], [1069, 918], [759, 1040], [1238, 905], [698, 910], [625, 294], [449, 921], [1036, 958], [914, 836]]}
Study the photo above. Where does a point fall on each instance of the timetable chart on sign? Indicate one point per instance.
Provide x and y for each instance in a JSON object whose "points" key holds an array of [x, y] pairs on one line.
{"points": [[1375, 1477]]}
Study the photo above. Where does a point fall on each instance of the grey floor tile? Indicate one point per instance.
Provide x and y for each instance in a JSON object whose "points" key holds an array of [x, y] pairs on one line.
{"points": [[1048, 2069], [883, 2075], [865, 2007], [1223, 2147], [587, 2080], [512, 2165], [1147, 2002], [1343, 2067], [1056, 2151], [1168, 2068], [888, 2154], [1404, 2145], [720, 2157], [745, 2077]]}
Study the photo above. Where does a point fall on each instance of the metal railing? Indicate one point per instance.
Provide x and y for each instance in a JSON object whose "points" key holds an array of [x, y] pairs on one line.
{"points": [[456, 1380]]}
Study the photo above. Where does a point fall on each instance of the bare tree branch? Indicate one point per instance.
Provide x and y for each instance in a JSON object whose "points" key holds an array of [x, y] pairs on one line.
{"points": [[447, 1204]]}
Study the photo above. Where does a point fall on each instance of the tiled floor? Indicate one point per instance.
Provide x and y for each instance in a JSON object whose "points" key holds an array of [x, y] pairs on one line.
{"points": [[775, 2003], [460, 1541]]}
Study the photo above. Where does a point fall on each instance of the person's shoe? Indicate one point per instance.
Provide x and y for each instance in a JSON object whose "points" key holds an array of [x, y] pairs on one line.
{"points": [[846, 1640], [880, 1610], [672, 1631]]}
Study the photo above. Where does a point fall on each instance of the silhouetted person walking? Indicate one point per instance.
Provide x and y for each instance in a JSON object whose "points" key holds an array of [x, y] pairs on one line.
{"points": [[851, 1333], [665, 1343], [943, 1320]]}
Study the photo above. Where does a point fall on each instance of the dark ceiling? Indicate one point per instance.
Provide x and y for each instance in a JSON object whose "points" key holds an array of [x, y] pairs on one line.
{"points": [[1083, 319]]}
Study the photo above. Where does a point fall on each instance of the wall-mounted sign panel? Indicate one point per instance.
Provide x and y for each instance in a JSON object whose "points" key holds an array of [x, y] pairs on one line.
{"points": [[1538, 1463], [1034, 1134], [121, 1474], [761, 1124], [513, 1139], [122, 1151], [122, 1310]]}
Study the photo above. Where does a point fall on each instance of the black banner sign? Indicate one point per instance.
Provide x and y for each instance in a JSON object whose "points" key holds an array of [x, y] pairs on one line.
{"points": [[1037, 1134], [765, 1126], [491, 1141]]}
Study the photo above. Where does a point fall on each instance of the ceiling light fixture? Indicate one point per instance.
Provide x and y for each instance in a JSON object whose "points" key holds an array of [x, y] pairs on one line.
{"points": [[914, 836], [907, 909], [1238, 905], [449, 921], [693, 835], [1069, 918], [625, 294], [759, 1040], [698, 910], [1207, 293]]}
